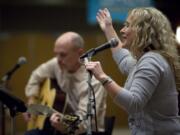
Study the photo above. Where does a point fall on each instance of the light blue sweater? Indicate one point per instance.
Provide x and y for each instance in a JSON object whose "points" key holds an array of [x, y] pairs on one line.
{"points": [[149, 95]]}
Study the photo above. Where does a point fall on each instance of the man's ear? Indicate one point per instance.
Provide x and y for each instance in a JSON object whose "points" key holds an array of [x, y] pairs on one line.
{"points": [[80, 51]]}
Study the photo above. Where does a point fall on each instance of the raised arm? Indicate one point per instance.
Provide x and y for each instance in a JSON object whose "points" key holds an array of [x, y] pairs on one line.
{"points": [[105, 22]]}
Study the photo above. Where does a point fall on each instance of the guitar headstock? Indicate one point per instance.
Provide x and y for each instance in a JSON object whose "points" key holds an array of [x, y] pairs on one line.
{"points": [[70, 119], [71, 122]]}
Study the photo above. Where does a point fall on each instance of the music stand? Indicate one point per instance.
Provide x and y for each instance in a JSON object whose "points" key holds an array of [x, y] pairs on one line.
{"points": [[14, 104]]}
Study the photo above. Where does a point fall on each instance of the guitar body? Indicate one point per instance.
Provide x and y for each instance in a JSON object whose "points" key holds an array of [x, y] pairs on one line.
{"points": [[52, 96]]}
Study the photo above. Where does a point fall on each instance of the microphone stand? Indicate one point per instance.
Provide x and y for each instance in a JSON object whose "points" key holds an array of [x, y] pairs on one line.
{"points": [[13, 109], [91, 100], [2, 119], [3, 87], [2, 109], [14, 104]]}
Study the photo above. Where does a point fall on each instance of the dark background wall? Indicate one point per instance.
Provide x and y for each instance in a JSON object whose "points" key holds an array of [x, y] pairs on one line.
{"points": [[29, 28], [55, 15]]}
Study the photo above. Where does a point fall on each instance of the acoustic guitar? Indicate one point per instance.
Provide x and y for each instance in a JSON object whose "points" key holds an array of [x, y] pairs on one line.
{"points": [[70, 122], [51, 96]]}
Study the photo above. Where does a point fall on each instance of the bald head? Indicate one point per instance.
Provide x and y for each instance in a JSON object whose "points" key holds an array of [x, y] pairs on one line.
{"points": [[68, 48], [72, 39]]}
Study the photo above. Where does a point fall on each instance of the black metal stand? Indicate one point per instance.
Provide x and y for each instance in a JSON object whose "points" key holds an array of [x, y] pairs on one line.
{"points": [[2, 110], [13, 112], [2, 119], [3, 115], [14, 105], [7, 100]]}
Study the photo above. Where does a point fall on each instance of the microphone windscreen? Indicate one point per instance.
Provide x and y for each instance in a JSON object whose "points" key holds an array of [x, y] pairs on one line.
{"points": [[114, 42], [22, 60]]}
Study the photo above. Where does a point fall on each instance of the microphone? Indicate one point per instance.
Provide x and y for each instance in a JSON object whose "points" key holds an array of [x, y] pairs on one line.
{"points": [[110, 44], [7, 76]]}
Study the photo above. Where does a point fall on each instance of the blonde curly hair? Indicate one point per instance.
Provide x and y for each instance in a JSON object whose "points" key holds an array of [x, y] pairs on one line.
{"points": [[154, 33]]}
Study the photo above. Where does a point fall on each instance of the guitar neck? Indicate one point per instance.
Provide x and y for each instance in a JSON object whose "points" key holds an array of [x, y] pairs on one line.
{"points": [[38, 109]]}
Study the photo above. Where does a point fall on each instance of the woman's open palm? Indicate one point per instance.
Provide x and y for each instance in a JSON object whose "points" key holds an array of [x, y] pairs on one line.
{"points": [[104, 18]]}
